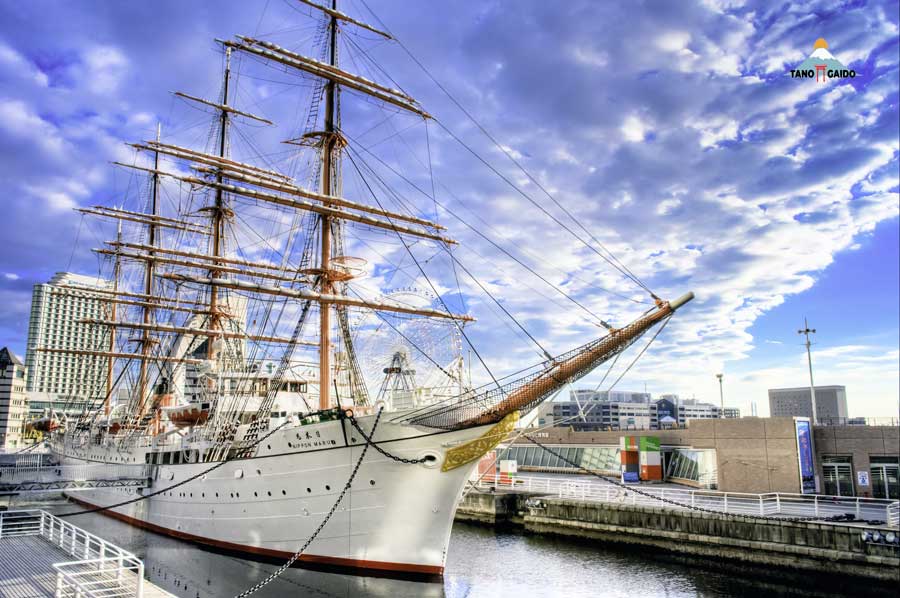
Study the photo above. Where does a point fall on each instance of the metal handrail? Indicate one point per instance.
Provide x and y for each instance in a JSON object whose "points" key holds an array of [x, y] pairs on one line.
{"points": [[893, 514], [765, 504]]}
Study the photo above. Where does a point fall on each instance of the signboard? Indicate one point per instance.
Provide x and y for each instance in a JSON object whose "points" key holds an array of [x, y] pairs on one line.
{"points": [[649, 443], [508, 466], [862, 478], [805, 456], [630, 477]]}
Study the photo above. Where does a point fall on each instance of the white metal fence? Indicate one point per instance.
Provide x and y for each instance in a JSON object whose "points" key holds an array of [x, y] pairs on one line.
{"points": [[103, 569], [36, 472], [768, 504]]}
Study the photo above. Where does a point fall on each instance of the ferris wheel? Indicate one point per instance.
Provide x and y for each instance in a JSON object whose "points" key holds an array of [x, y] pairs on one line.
{"points": [[425, 342]]}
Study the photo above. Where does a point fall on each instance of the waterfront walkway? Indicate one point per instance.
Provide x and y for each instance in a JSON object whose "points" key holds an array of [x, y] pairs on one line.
{"points": [[42, 556], [866, 511]]}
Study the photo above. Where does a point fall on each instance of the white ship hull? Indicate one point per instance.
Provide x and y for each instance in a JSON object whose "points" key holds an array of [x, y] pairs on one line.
{"points": [[396, 517]]}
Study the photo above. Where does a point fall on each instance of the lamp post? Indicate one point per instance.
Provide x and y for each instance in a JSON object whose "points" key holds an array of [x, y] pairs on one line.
{"points": [[812, 387], [721, 397]]}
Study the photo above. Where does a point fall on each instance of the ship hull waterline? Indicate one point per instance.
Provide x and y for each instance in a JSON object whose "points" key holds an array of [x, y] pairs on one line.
{"points": [[394, 521]]}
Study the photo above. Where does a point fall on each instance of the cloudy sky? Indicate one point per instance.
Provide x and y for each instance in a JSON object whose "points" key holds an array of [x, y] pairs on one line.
{"points": [[671, 131]]}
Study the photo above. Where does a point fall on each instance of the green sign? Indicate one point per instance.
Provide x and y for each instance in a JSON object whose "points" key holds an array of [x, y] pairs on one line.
{"points": [[649, 444]]}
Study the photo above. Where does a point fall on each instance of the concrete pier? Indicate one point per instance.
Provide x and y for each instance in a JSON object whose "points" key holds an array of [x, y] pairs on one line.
{"points": [[808, 546]]}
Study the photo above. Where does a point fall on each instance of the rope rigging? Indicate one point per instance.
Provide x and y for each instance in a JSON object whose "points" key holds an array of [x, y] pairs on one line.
{"points": [[611, 259]]}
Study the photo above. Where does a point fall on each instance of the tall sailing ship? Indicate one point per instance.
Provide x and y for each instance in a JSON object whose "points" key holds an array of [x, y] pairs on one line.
{"points": [[240, 344]]}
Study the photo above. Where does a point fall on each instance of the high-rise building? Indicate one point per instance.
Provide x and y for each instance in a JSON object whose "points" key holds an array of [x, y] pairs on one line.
{"points": [[831, 403], [13, 401], [56, 380]]}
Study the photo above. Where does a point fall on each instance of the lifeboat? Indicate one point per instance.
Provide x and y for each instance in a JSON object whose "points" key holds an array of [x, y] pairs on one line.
{"points": [[187, 414], [43, 424]]}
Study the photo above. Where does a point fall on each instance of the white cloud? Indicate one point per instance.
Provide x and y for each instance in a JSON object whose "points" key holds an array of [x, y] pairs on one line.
{"points": [[634, 128], [673, 41], [105, 68], [17, 63], [19, 120]]}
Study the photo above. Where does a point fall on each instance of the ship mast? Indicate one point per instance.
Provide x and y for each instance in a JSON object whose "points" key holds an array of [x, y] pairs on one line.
{"points": [[149, 273], [110, 370], [218, 213], [329, 151]]}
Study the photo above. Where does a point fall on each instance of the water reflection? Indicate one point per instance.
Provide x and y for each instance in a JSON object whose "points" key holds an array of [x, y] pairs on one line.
{"points": [[481, 563]]}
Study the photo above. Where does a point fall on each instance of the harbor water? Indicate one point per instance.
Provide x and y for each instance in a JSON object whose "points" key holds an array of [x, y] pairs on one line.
{"points": [[482, 562]]}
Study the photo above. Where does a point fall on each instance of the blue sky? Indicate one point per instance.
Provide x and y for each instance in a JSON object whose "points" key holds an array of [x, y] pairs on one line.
{"points": [[678, 140]]}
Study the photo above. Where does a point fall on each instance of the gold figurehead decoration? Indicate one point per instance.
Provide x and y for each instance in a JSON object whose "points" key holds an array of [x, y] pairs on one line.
{"points": [[475, 449]]}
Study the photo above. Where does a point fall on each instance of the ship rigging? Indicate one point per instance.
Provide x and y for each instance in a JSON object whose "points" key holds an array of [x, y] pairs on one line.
{"points": [[240, 312]]}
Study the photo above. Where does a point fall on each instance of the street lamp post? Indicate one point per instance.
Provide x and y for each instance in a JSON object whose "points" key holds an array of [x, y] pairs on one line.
{"points": [[812, 387], [721, 397]]}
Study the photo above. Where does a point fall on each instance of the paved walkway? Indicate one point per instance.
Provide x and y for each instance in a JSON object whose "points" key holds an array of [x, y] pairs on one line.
{"points": [[26, 569]]}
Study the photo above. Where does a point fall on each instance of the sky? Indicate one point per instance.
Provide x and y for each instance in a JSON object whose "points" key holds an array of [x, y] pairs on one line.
{"points": [[672, 132]]}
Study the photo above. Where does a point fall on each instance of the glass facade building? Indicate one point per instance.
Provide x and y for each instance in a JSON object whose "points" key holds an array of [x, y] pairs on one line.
{"points": [[696, 466]]}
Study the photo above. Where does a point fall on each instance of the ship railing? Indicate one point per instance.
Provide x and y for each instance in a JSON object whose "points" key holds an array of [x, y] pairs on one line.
{"points": [[765, 504], [102, 569], [32, 458], [29, 472]]}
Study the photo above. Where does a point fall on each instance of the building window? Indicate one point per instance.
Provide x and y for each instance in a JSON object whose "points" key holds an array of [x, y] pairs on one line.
{"points": [[885, 477], [838, 475]]}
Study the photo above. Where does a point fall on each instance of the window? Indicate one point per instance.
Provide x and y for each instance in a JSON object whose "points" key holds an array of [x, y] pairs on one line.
{"points": [[838, 474], [885, 477]]}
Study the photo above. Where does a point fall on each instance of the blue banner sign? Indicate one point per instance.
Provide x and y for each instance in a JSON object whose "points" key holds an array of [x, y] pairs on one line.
{"points": [[805, 452]]}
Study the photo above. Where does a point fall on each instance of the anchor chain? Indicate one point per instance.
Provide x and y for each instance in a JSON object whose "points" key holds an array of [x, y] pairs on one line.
{"points": [[287, 565], [369, 441]]}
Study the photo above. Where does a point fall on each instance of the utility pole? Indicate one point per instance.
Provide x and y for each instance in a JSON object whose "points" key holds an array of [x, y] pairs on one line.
{"points": [[812, 387], [721, 397]]}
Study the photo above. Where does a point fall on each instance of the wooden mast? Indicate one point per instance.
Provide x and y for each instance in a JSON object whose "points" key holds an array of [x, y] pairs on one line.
{"points": [[149, 275], [328, 149], [112, 331], [218, 213]]}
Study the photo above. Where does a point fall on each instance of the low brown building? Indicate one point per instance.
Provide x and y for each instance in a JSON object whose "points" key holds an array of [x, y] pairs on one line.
{"points": [[739, 455]]}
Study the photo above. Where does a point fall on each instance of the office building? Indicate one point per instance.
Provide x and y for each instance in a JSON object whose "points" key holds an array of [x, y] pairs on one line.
{"points": [[693, 409], [57, 379], [13, 401], [623, 410], [831, 403], [729, 454], [731, 413]]}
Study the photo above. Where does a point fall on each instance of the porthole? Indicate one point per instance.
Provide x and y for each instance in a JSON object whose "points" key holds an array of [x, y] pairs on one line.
{"points": [[255, 494], [309, 490], [269, 492], [237, 494], [284, 492], [290, 445], [327, 487], [258, 472], [217, 495], [371, 482]]}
